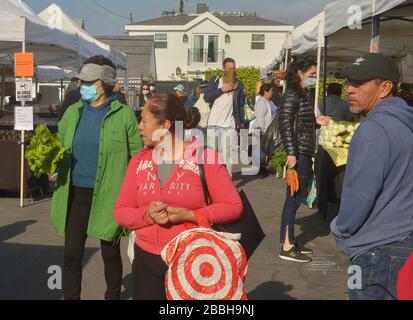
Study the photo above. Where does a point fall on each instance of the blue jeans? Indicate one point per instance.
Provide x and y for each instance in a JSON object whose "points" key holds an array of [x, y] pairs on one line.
{"points": [[379, 270], [291, 204]]}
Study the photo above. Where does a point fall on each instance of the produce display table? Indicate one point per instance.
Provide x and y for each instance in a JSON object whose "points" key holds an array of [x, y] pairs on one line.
{"points": [[7, 121], [10, 171], [330, 181]]}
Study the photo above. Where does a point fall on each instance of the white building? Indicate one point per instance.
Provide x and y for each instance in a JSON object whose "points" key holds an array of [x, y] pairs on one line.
{"points": [[192, 44]]}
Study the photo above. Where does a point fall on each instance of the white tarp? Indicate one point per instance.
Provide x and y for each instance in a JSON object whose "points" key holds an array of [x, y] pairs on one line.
{"points": [[305, 36], [396, 38], [339, 15], [19, 23], [88, 45], [52, 73], [345, 44], [344, 12]]}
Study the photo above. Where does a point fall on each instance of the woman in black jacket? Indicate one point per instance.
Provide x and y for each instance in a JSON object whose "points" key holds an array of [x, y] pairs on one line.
{"points": [[298, 133], [142, 97]]}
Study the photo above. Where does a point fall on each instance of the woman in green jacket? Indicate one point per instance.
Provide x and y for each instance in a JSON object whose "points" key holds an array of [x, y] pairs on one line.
{"points": [[100, 135]]}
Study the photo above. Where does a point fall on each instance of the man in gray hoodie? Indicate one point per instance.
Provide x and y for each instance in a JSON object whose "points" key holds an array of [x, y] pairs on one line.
{"points": [[375, 224]]}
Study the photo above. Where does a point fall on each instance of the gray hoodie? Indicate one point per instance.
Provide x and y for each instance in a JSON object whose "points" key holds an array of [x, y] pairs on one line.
{"points": [[377, 199]]}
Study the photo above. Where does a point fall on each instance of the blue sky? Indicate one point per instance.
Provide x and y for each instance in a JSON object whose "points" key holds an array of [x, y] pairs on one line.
{"points": [[100, 22]]}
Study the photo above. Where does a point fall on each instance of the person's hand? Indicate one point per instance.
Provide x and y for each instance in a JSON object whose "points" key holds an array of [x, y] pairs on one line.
{"points": [[157, 212], [291, 162], [323, 120], [180, 215], [227, 87]]}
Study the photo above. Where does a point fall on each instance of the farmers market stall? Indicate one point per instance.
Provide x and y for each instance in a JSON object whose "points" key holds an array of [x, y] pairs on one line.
{"points": [[51, 120], [10, 168], [330, 165], [330, 180]]}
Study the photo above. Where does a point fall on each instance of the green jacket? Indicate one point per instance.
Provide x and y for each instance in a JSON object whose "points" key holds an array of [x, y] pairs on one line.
{"points": [[119, 141]]}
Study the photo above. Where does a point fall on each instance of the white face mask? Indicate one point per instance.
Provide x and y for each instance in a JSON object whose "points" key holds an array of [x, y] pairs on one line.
{"points": [[311, 81]]}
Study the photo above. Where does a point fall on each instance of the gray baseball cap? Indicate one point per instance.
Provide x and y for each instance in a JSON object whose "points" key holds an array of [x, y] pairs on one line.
{"points": [[92, 72]]}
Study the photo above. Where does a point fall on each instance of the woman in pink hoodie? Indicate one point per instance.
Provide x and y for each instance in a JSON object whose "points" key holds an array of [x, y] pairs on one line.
{"points": [[162, 193]]}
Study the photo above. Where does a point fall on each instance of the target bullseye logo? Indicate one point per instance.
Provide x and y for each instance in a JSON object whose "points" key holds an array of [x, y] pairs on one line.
{"points": [[206, 270], [203, 265]]}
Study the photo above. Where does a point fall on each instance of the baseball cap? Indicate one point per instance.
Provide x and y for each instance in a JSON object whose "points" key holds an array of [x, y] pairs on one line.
{"points": [[92, 72], [372, 66], [179, 87]]}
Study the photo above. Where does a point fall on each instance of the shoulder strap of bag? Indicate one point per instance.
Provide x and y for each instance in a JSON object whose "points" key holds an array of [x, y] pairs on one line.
{"points": [[204, 184]]}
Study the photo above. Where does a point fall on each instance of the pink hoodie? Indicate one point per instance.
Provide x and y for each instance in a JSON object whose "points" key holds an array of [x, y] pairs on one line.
{"points": [[183, 189]]}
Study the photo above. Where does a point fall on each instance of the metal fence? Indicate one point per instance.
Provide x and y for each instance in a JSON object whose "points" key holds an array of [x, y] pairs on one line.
{"points": [[162, 87]]}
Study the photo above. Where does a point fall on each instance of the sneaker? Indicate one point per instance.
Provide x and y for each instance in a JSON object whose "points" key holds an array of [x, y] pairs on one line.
{"points": [[294, 255], [303, 249]]}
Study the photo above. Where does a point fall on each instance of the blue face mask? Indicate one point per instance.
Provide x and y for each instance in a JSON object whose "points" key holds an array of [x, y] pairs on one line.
{"points": [[311, 81], [88, 93]]}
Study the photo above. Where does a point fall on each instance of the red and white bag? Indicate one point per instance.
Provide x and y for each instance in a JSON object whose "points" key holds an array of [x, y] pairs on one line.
{"points": [[205, 265]]}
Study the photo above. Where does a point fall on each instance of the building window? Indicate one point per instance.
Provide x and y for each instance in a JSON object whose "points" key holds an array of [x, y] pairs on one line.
{"points": [[258, 41], [227, 39], [161, 40], [185, 38]]}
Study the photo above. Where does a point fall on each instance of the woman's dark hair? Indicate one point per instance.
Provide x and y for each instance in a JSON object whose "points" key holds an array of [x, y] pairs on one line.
{"points": [[102, 61], [170, 107], [299, 64], [144, 84], [265, 88]]}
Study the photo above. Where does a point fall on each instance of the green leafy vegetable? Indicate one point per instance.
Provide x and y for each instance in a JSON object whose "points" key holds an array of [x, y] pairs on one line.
{"points": [[44, 151], [278, 160]]}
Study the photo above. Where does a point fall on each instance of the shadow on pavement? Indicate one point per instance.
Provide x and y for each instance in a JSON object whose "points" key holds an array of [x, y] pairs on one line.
{"points": [[24, 267], [12, 230], [271, 290], [313, 227], [240, 180]]}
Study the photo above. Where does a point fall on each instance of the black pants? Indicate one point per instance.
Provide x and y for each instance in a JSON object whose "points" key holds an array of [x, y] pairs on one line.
{"points": [[148, 271], [75, 238]]}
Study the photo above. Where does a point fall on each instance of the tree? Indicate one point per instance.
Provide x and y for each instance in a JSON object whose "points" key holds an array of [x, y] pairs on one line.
{"points": [[182, 6]]}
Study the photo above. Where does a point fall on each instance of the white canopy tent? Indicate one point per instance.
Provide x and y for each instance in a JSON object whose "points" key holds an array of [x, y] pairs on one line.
{"points": [[345, 44], [21, 25], [390, 20], [88, 45], [52, 73], [395, 31]]}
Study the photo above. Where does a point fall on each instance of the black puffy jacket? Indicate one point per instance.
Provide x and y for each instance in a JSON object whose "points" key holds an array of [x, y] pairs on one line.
{"points": [[297, 123]]}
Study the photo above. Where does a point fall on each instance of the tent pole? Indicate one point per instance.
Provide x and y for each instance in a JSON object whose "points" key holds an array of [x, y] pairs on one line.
{"points": [[22, 150], [325, 75], [375, 33], [61, 90], [3, 86], [317, 86], [375, 36]]}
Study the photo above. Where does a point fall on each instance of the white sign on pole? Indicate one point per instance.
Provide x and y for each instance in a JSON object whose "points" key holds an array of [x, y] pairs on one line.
{"points": [[23, 118], [24, 89]]}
